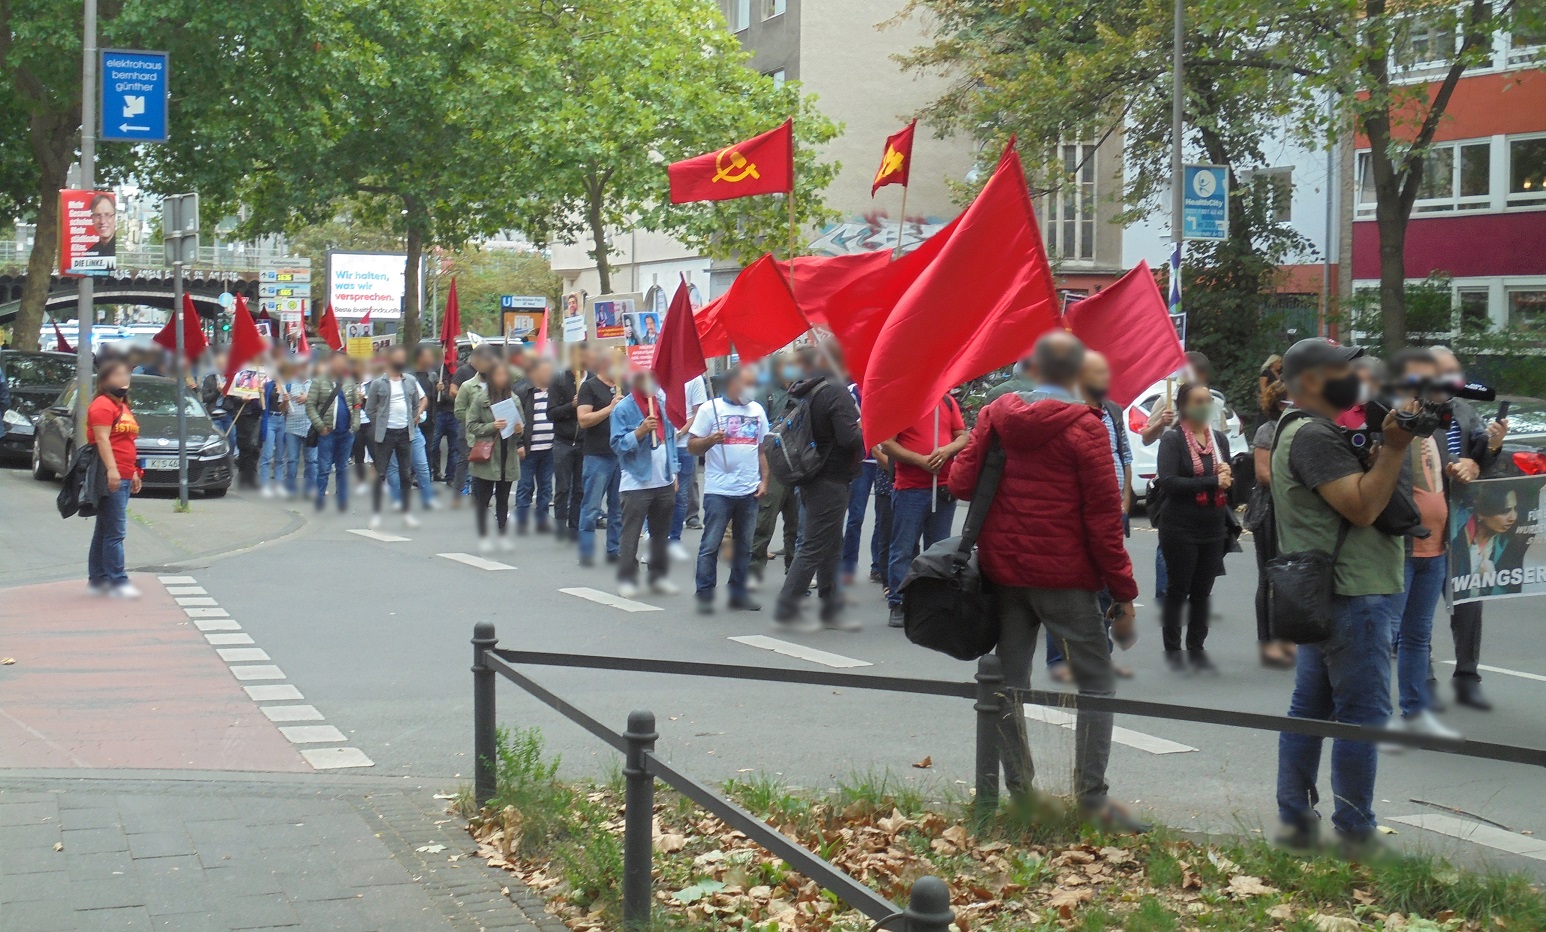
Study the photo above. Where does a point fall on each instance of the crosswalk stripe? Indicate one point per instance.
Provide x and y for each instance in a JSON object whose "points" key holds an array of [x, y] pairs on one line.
{"points": [[1133, 739], [216, 624], [206, 613], [223, 640], [272, 692], [242, 654], [476, 561], [292, 713], [607, 598], [378, 535], [334, 758], [175, 580], [1485, 835], [312, 734], [195, 600], [257, 671], [186, 590], [799, 651], [1519, 673]]}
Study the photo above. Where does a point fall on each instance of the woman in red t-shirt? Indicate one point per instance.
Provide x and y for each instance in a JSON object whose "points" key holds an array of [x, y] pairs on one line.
{"points": [[113, 429]]}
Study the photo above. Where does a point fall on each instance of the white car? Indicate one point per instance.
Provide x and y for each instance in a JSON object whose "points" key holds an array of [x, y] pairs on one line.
{"points": [[1137, 417]]}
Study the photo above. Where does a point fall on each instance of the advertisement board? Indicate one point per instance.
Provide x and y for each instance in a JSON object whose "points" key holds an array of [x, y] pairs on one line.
{"points": [[366, 282], [88, 232]]}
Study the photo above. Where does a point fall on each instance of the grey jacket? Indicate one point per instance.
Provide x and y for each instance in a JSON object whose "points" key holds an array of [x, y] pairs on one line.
{"points": [[378, 396]]}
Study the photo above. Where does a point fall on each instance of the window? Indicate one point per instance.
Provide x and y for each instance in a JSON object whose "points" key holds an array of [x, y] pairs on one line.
{"points": [[772, 8], [740, 14], [1422, 42], [1527, 171], [1071, 206], [1456, 176], [1527, 309], [1526, 44], [779, 77], [1475, 310], [1276, 186]]}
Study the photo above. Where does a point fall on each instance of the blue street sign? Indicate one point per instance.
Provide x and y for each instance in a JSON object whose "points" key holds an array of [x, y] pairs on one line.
{"points": [[1205, 202], [134, 96]]}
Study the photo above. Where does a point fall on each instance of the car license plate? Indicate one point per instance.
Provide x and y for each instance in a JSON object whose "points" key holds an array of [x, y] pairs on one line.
{"points": [[160, 462]]}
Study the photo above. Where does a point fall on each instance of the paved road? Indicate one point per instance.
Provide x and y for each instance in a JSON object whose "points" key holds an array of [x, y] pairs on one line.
{"points": [[374, 633]]}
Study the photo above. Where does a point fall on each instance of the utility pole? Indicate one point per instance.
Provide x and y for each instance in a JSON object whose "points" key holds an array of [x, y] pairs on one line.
{"points": [[1177, 169], [180, 233], [85, 288]]}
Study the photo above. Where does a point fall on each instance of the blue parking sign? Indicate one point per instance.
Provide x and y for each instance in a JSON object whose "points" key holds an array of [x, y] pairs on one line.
{"points": [[1205, 202], [134, 95]]}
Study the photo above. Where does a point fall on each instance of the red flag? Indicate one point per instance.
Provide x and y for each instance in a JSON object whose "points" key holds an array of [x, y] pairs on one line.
{"points": [[759, 314], [246, 342], [302, 346], [327, 328], [542, 332], [987, 295], [897, 160], [712, 337], [60, 345], [763, 164], [1129, 322], [678, 355], [365, 322], [194, 343], [450, 326], [817, 278]]}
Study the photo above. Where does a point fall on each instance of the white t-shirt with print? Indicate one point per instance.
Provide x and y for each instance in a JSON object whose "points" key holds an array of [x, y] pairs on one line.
{"points": [[731, 468]]}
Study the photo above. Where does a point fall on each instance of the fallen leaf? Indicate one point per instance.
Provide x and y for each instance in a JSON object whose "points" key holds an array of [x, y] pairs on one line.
{"points": [[430, 849], [924, 764], [1325, 923], [1246, 885], [444, 796], [1281, 912], [1065, 901], [697, 891], [58, 846], [667, 844], [1364, 897], [7, 661]]}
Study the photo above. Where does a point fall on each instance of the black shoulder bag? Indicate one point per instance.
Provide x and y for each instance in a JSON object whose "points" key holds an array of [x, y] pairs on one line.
{"points": [[1301, 585], [946, 604]]}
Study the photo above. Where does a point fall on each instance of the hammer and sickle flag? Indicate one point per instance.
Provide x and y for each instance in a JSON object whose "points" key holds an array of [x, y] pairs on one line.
{"points": [[897, 159], [763, 164]]}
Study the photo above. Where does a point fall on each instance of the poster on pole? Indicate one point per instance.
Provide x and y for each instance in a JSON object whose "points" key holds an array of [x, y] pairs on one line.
{"points": [[641, 332], [360, 283], [88, 232], [608, 314], [1496, 549], [1205, 202], [575, 326], [357, 340]]}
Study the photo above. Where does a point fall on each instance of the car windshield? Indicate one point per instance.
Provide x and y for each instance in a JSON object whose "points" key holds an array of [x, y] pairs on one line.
{"points": [[24, 370], [159, 399]]}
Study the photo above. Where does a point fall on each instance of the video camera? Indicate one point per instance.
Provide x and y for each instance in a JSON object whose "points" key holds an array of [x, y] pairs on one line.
{"points": [[1435, 412]]}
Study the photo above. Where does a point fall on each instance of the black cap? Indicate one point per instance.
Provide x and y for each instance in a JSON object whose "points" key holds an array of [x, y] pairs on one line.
{"points": [[1315, 352]]}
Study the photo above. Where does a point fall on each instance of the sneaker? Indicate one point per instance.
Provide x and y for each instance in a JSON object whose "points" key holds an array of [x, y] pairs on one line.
{"points": [[839, 620], [96, 588], [753, 583], [1176, 661], [612, 558], [1202, 663], [1304, 838], [505, 543], [799, 624], [1396, 723], [544, 528], [705, 607], [1362, 848], [876, 577], [124, 591], [375, 521], [409, 521], [587, 561], [1060, 673], [1114, 818], [677, 551], [432, 505], [1424, 723], [664, 587], [693, 524], [266, 492], [521, 528], [485, 545], [745, 605], [1468, 692], [628, 590], [897, 618]]}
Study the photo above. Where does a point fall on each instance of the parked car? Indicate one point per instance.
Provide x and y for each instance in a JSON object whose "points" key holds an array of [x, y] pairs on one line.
{"points": [[35, 380], [153, 400], [1145, 457]]}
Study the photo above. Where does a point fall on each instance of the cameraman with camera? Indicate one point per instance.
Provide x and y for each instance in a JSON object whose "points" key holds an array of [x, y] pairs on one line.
{"points": [[1325, 500]]}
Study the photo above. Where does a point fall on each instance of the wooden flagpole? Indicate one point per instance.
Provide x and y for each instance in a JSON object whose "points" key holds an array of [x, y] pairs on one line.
{"points": [[901, 224]]}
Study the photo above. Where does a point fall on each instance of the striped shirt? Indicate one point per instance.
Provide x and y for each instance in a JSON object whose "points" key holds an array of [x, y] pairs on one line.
{"points": [[541, 427], [1452, 438]]}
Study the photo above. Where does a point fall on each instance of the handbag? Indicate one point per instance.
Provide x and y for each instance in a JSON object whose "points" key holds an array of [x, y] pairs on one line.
{"points": [[1300, 587], [947, 605], [481, 451], [313, 436]]}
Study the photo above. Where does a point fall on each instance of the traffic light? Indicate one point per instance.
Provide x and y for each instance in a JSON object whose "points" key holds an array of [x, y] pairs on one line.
{"points": [[225, 322]]}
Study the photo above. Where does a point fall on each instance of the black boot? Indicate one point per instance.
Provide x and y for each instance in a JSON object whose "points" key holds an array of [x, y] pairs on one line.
{"points": [[1468, 692]]}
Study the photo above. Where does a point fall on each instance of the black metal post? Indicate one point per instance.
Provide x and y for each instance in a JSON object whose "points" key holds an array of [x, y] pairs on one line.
{"points": [[638, 821], [928, 907], [990, 710], [484, 744]]}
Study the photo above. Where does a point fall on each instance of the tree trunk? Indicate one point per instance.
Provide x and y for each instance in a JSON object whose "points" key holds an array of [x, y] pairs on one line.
{"points": [[53, 139], [413, 307], [1392, 228], [594, 190]]}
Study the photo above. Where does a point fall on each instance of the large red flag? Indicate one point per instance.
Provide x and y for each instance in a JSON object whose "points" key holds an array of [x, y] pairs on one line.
{"points": [[678, 355], [542, 333], [710, 321], [302, 347], [246, 342], [60, 344], [327, 328], [758, 313], [987, 295], [763, 164], [1129, 322], [194, 343], [897, 161], [817, 278], [450, 327]]}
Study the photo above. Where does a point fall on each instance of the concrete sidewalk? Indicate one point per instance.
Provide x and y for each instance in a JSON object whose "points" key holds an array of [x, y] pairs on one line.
{"points": [[129, 850]]}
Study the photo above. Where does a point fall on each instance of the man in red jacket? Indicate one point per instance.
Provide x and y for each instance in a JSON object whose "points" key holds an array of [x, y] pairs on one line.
{"points": [[1052, 540]]}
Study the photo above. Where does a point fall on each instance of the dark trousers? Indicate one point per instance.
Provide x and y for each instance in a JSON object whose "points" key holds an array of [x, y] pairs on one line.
{"points": [[362, 442], [445, 428], [249, 447], [1192, 568], [397, 444], [654, 506], [568, 484], [880, 541], [858, 502], [499, 491], [780, 501], [535, 488], [1263, 627], [1465, 624], [819, 550]]}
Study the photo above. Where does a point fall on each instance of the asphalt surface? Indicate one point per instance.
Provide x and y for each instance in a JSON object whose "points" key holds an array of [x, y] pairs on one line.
{"points": [[376, 635]]}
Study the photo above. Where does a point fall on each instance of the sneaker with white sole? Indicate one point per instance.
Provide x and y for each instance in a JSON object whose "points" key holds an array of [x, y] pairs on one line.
{"points": [[409, 521], [664, 587], [628, 590], [485, 545], [125, 591], [677, 551], [1426, 724], [505, 543], [96, 588]]}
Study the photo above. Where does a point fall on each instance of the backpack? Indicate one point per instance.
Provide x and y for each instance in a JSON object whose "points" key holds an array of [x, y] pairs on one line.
{"points": [[790, 443]]}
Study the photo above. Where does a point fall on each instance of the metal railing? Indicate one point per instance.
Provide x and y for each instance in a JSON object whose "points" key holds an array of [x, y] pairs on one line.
{"points": [[148, 257], [928, 909]]}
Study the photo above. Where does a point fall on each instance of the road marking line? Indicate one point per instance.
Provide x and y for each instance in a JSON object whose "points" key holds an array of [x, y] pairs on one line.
{"points": [[1477, 833], [262, 671], [242, 654], [1133, 739], [195, 600], [176, 580], [292, 713], [1519, 673], [186, 590], [607, 598], [312, 734], [216, 624], [223, 639], [207, 613], [378, 535], [476, 562], [800, 651], [333, 758], [272, 693]]}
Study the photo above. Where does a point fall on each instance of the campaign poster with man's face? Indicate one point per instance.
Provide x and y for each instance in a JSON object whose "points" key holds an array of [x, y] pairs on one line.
{"points": [[88, 232], [575, 327]]}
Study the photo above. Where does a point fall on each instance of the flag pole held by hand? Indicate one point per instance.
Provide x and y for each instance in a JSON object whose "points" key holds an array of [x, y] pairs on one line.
{"points": [[934, 497], [654, 434]]}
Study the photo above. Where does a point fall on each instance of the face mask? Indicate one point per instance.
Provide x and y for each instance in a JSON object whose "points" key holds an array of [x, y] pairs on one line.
{"points": [[1363, 392], [1199, 414], [1344, 392], [119, 393], [765, 377], [1097, 395], [791, 373]]}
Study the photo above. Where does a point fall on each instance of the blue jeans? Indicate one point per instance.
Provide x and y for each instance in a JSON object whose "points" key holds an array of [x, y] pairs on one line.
{"points": [[739, 514], [420, 471], [912, 518], [1345, 678], [271, 467], [686, 470], [297, 453], [1414, 632], [536, 484], [334, 451], [600, 476], [104, 562], [858, 503], [1161, 577], [446, 428]]}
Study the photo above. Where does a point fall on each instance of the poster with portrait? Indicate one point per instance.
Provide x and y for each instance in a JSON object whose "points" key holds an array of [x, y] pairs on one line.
{"points": [[1496, 549], [248, 384], [292, 327], [641, 331], [88, 232], [575, 327], [609, 314], [357, 339]]}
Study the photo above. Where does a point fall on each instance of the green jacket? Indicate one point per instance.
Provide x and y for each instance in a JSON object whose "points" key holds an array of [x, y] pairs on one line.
{"points": [[464, 398], [322, 393], [505, 464]]}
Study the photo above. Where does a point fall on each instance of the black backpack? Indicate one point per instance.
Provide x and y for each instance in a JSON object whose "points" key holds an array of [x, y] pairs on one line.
{"points": [[790, 444]]}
